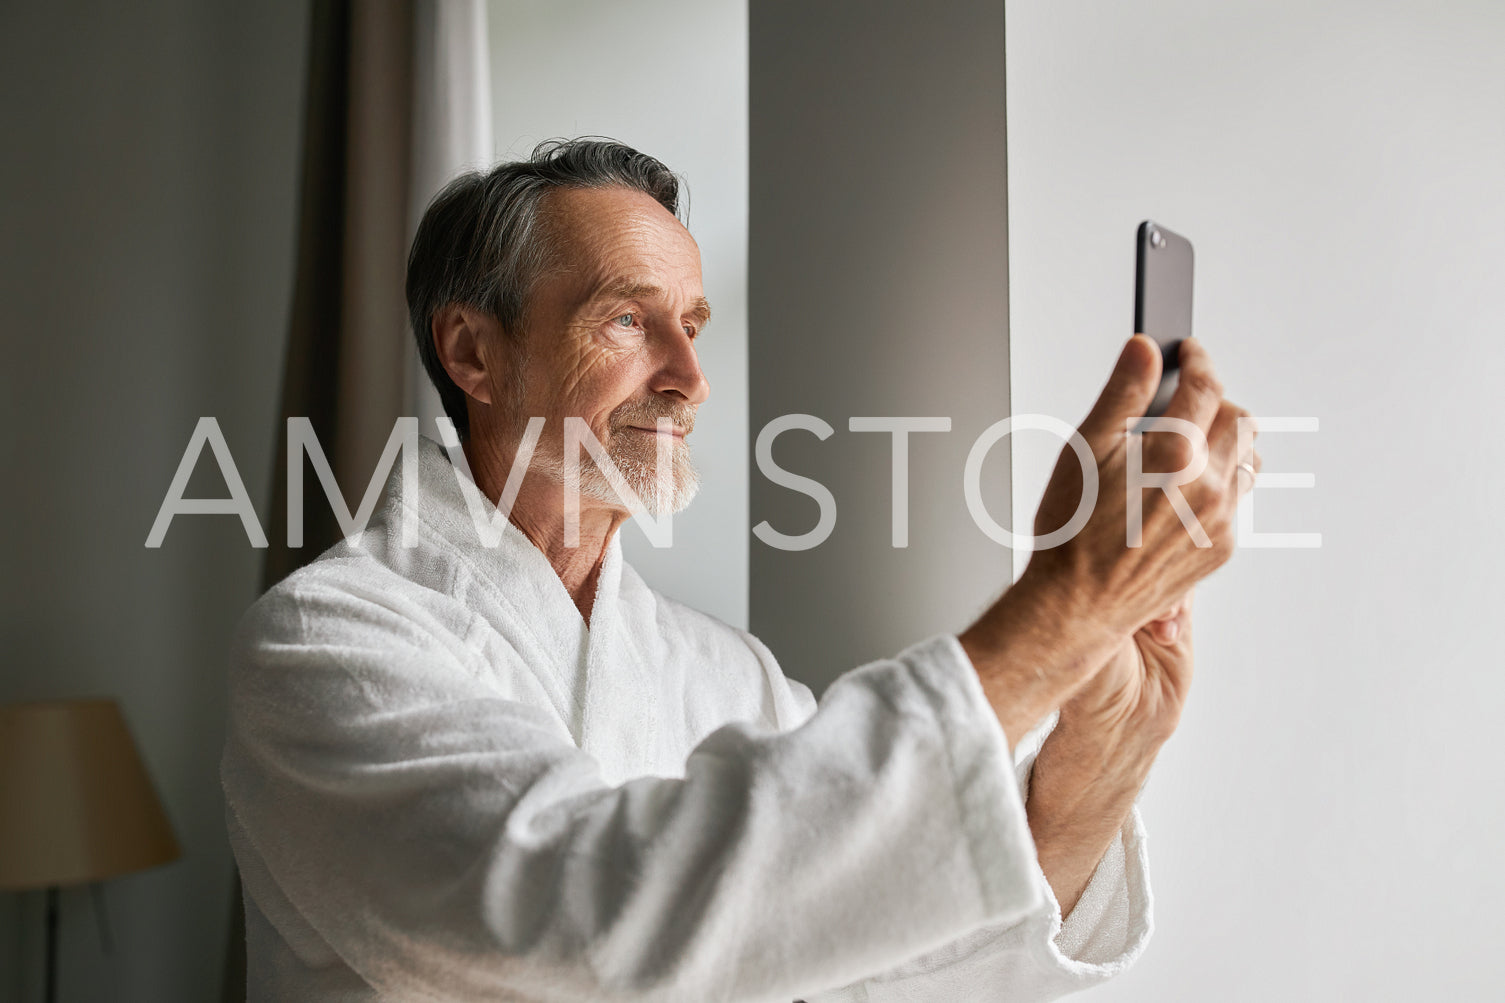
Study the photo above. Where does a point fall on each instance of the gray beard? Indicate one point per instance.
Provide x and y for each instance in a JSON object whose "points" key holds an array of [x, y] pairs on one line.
{"points": [[660, 492], [636, 459]]}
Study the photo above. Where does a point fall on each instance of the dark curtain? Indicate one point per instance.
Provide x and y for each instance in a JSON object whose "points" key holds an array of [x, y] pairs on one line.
{"points": [[347, 337]]}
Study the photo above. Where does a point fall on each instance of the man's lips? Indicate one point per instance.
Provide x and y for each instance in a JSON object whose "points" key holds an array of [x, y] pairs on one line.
{"points": [[675, 431]]}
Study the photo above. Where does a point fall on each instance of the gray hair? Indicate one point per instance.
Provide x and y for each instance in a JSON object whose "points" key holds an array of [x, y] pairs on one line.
{"points": [[482, 242]]}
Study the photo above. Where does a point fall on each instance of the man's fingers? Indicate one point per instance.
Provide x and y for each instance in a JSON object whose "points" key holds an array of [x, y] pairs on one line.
{"points": [[1174, 623], [1169, 627], [1181, 608], [1198, 390], [1128, 393], [1223, 439], [1246, 479]]}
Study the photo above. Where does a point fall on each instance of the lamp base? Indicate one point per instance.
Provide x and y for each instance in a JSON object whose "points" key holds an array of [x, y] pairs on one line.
{"points": [[52, 910]]}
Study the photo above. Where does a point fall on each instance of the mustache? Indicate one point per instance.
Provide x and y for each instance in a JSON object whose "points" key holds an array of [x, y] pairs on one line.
{"points": [[647, 412]]}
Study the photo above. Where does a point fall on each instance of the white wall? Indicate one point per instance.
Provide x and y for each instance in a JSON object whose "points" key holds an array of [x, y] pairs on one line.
{"points": [[146, 242], [1326, 824], [668, 77]]}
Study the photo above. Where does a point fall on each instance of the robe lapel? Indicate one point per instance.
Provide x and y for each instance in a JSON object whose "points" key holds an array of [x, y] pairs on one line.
{"points": [[532, 609], [595, 675], [622, 694]]}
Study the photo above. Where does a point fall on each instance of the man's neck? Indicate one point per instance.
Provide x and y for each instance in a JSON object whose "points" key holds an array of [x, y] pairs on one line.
{"points": [[538, 513]]}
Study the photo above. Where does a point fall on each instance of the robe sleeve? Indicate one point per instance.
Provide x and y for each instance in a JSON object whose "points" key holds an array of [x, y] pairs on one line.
{"points": [[447, 842], [1038, 957]]}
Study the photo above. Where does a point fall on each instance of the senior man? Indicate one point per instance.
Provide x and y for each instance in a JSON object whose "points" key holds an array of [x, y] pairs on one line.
{"points": [[458, 771]]}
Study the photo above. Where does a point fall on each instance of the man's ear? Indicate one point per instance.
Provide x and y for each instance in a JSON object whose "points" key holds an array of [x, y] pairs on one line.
{"points": [[465, 340]]}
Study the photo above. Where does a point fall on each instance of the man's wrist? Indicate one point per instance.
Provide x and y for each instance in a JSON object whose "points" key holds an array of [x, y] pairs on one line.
{"points": [[1081, 744], [1032, 649], [1081, 791]]}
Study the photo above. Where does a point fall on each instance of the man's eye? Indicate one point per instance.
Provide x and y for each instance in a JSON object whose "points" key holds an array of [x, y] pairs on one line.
{"points": [[625, 320]]}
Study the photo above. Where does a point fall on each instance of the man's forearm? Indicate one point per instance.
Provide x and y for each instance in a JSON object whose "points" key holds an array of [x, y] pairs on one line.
{"points": [[1081, 790]]}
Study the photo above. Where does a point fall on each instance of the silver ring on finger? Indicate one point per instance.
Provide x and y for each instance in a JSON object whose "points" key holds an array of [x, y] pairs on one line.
{"points": [[1246, 465]]}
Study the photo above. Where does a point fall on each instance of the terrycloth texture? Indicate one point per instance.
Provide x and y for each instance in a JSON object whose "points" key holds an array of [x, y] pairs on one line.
{"points": [[442, 786]]}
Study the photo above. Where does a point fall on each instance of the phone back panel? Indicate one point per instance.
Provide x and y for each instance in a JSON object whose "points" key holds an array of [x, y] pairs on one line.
{"points": [[1162, 299]]}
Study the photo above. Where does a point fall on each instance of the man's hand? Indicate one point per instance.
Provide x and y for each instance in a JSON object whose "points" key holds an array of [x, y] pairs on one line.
{"points": [[1142, 688], [1092, 766], [1077, 604], [1128, 585], [1120, 699]]}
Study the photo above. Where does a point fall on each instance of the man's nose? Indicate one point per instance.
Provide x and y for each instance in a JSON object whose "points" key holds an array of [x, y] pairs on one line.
{"points": [[679, 369]]}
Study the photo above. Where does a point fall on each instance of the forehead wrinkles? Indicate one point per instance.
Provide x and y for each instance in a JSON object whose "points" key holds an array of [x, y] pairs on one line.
{"points": [[641, 251], [596, 239]]}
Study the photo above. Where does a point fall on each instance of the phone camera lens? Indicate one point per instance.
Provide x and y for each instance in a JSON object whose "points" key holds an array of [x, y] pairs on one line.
{"points": [[1157, 239]]}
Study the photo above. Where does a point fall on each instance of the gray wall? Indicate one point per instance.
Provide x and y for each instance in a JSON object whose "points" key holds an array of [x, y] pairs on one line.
{"points": [[1326, 824], [149, 179], [877, 274], [668, 77]]}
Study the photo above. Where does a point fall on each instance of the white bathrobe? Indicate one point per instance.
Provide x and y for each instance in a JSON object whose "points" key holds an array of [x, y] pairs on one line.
{"points": [[441, 785]]}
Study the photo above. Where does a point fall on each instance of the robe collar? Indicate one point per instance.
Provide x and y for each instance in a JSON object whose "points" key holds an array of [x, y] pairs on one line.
{"points": [[599, 665], [450, 504]]}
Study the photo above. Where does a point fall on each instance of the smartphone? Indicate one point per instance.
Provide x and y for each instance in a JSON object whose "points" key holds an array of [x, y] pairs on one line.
{"points": [[1162, 301]]}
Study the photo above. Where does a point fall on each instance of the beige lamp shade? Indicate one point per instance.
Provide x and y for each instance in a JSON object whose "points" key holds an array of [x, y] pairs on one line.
{"points": [[76, 803]]}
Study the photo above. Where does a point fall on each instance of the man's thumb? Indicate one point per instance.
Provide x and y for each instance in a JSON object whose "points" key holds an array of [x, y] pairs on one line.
{"points": [[1128, 393]]}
